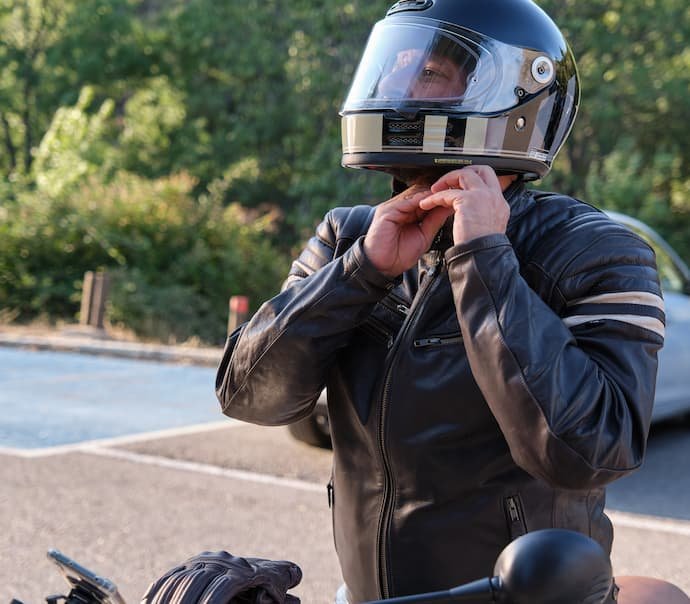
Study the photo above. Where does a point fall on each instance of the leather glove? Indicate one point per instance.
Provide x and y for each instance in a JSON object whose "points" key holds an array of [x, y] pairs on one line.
{"points": [[221, 578]]}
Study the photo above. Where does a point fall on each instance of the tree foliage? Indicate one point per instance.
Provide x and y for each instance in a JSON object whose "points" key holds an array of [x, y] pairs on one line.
{"points": [[175, 259], [243, 98], [630, 149]]}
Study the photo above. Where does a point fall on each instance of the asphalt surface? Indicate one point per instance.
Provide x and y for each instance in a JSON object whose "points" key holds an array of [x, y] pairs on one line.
{"points": [[130, 506], [78, 474], [54, 398], [131, 518]]}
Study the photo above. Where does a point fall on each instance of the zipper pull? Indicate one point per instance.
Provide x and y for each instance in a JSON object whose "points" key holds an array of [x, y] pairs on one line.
{"points": [[513, 510], [403, 309], [516, 523], [331, 495], [438, 262], [426, 342]]}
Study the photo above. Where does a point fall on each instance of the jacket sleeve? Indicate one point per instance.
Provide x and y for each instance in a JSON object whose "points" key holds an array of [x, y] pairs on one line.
{"points": [[572, 390], [274, 367]]}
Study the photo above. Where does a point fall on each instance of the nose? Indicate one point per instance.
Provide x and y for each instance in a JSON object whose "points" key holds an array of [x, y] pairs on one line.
{"points": [[399, 84], [393, 86]]}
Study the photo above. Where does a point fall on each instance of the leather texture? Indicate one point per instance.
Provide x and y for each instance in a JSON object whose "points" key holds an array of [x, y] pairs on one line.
{"points": [[494, 389], [221, 578]]}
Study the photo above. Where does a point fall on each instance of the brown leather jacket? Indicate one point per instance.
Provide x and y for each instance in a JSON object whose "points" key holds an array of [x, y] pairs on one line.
{"points": [[494, 389]]}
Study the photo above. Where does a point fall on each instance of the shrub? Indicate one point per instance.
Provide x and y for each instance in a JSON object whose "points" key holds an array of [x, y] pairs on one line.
{"points": [[174, 259]]}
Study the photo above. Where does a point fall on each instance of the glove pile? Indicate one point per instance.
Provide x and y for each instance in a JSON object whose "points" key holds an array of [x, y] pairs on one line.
{"points": [[221, 578]]}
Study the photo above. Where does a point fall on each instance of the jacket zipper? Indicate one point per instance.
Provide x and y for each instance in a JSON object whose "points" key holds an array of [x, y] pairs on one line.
{"points": [[386, 506]]}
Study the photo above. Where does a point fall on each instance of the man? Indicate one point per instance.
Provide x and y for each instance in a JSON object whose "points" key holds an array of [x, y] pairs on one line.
{"points": [[490, 352]]}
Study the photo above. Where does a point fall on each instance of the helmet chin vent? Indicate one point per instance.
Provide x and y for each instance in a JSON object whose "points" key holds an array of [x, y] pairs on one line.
{"points": [[403, 133], [404, 5]]}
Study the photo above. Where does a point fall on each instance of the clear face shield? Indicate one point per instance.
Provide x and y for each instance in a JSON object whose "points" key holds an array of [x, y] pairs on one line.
{"points": [[410, 65]]}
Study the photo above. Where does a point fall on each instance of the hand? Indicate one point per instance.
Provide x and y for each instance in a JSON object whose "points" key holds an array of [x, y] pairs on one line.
{"points": [[402, 231], [475, 196]]}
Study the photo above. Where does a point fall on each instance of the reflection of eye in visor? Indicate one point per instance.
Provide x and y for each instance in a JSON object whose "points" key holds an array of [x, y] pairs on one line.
{"points": [[417, 65]]}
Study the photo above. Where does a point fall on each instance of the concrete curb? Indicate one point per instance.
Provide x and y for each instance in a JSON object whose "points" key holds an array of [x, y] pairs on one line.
{"points": [[115, 348]]}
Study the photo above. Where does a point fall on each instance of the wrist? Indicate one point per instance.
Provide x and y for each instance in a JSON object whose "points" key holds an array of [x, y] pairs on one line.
{"points": [[370, 269], [372, 259]]}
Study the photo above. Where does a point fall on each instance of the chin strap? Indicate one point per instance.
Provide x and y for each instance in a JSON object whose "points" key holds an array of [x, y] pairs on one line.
{"points": [[397, 187]]}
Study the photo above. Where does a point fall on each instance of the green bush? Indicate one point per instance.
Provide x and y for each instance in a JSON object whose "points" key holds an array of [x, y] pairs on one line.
{"points": [[174, 259]]}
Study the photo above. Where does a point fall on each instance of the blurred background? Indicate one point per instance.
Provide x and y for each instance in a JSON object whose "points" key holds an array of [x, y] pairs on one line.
{"points": [[188, 147]]}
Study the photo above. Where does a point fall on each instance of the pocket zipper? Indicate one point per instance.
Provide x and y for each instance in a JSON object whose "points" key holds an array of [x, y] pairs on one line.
{"points": [[438, 340], [516, 523], [331, 494], [375, 329], [396, 306]]}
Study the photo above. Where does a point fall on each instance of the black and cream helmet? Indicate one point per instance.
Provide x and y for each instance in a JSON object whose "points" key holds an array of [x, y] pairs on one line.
{"points": [[448, 83]]}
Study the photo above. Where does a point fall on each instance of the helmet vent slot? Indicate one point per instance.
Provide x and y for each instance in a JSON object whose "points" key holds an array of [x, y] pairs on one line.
{"points": [[404, 5]]}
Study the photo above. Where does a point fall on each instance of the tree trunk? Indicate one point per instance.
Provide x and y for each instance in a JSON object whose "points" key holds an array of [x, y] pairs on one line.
{"points": [[9, 145], [26, 118]]}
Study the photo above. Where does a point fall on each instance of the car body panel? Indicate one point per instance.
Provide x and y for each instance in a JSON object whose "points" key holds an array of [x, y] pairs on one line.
{"points": [[673, 377]]}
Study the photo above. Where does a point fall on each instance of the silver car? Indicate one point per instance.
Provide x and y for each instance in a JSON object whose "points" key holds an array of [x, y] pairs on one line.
{"points": [[673, 378]]}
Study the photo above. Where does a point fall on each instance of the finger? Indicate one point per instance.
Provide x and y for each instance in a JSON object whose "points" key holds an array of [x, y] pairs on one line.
{"points": [[464, 178], [450, 180], [487, 174], [412, 190], [433, 221], [447, 198], [402, 206], [470, 179]]}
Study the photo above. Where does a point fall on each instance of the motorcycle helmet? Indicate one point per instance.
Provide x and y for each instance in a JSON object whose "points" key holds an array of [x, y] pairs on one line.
{"points": [[447, 83]]}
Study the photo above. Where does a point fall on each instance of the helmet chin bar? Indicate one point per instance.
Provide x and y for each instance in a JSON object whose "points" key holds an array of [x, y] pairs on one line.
{"points": [[396, 164]]}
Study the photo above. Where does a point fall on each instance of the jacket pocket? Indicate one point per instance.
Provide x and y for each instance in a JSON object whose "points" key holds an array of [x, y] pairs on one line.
{"points": [[439, 340], [515, 517], [377, 330], [396, 305]]}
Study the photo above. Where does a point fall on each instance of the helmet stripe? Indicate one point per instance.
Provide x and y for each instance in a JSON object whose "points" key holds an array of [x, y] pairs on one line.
{"points": [[541, 127], [435, 127], [362, 133], [475, 134]]}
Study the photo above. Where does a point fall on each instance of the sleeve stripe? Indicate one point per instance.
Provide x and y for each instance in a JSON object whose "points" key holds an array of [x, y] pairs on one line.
{"points": [[616, 309], [643, 298], [648, 323]]}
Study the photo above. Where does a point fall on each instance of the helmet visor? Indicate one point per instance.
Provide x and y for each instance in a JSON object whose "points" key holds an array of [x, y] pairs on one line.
{"points": [[429, 64]]}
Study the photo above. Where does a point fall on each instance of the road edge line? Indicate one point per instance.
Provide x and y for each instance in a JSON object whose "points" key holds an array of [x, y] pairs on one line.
{"points": [[115, 441], [208, 469]]}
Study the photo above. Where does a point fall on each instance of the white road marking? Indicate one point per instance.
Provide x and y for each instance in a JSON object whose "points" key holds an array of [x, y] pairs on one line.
{"points": [[119, 440], [642, 522], [619, 519], [102, 447], [202, 468]]}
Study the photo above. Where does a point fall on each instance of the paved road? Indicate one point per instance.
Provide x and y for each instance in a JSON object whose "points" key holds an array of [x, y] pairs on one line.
{"points": [[132, 506], [53, 398]]}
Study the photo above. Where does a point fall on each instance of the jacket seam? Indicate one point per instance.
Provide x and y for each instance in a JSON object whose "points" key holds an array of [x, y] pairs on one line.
{"points": [[325, 241], [624, 261], [479, 248]]}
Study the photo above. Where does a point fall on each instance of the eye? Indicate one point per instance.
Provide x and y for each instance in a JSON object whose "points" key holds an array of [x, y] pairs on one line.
{"points": [[429, 74]]}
